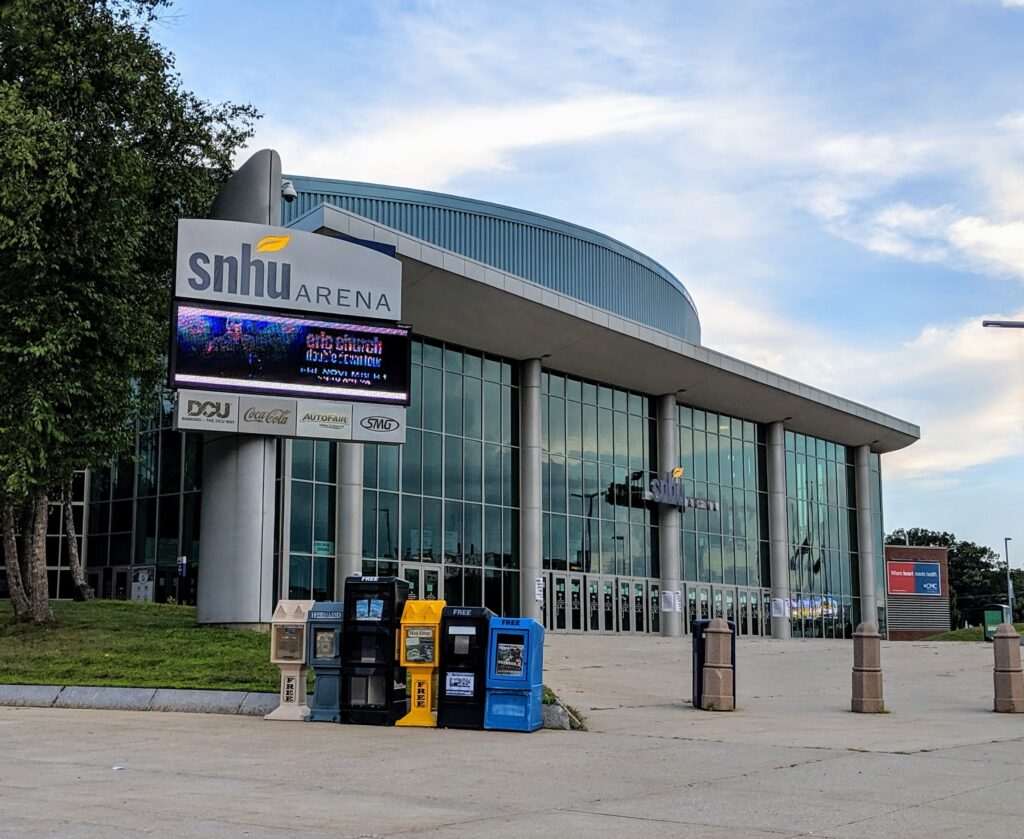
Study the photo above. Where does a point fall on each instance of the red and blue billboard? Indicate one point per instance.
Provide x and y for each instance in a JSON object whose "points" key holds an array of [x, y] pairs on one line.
{"points": [[920, 578]]}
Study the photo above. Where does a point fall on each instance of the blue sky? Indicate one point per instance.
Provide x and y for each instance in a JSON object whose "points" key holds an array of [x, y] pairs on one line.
{"points": [[840, 185]]}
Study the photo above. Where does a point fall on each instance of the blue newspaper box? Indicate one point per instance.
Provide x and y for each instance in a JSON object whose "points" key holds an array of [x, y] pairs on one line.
{"points": [[324, 624], [515, 675]]}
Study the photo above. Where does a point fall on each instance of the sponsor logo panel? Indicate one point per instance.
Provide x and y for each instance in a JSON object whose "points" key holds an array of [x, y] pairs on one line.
{"points": [[378, 423], [273, 417], [323, 420], [201, 411]]}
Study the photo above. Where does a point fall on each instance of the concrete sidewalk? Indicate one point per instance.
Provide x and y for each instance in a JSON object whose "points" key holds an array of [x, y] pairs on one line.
{"points": [[791, 762]]}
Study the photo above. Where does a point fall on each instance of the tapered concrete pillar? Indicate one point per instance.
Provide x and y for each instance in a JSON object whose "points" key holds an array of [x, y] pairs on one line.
{"points": [[669, 516], [238, 506], [1007, 675], [865, 536], [531, 500], [236, 564], [778, 527], [349, 522], [866, 697]]}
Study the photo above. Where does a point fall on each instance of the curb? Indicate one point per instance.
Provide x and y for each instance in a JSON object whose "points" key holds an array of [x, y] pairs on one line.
{"points": [[238, 702]]}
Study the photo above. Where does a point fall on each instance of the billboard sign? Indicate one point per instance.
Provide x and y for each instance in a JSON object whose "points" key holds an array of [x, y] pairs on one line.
{"points": [[242, 264], [917, 578], [254, 351]]}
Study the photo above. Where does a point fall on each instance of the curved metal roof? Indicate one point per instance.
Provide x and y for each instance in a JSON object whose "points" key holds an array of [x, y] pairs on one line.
{"points": [[569, 259]]}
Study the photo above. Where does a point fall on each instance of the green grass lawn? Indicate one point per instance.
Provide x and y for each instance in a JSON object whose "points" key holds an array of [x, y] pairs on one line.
{"points": [[125, 644], [972, 634]]}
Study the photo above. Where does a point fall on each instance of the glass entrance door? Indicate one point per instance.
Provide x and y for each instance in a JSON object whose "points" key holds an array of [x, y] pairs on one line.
{"points": [[567, 609], [425, 582]]}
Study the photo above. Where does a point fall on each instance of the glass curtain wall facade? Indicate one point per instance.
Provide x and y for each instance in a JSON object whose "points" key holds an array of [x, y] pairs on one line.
{"points": [[448, 497], [312, 519], [822, 541], [145, 512], [597, 455], [723, 459]]}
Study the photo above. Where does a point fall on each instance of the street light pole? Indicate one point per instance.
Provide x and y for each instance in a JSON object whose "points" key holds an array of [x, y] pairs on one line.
{"points": [[1009, 579]]}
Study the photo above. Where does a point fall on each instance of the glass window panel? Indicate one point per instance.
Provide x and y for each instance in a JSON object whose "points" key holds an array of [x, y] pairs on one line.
{"points": [[387, 470], [492, 370], [324, 519], [604, 396], [690, 556], [492, 536], [700, 462], [369, 524], [411, 527], [387, 525], [452, 360], [432, 399], [414, 413], [589, 418], [510, 415], [302, 517], [432, 463], [432, 530], [636, 442], [492, 412], [473, 469], [472, 365], [492, 473], [453, 467], [472, 408], [510, 537], [300, 577], [573, 389], [576, 544], [145, 530], [556, 484], [472, 593], [619, 426], [411, 462], [712, 448], [302, 459], [170, 462], [452, 403], [573, 429], [575, 500], [556, 426], [509, 476], [589, 393], [326, 461], [323, 578], [369, 465], [556, 385], [147, 469], [605, 441], [473, 534], [452, 533], [559, 549], [431, 354]]}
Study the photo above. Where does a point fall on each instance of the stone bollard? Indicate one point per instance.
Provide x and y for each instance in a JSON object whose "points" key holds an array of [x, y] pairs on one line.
{"points": [[718, 668], [1008, 677], [867, 670]]}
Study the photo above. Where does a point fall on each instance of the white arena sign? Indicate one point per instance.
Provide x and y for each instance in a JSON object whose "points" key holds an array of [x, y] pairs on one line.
{"points": [[280, 268]]}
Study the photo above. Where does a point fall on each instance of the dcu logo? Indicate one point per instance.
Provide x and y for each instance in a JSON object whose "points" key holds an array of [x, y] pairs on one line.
{"points": [[209, 410]]}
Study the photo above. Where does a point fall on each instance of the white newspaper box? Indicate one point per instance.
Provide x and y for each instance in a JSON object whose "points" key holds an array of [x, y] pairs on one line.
{"points": [[288, 652]]}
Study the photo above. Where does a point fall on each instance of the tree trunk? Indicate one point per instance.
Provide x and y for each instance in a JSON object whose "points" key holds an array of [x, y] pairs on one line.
{"points": [[19, 599], [42, 612], [25, 554], [83, 591]]}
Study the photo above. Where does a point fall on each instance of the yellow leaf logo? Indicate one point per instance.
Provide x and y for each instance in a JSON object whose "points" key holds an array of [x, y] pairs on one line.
{"points": [[677, 472], [272, 243]]}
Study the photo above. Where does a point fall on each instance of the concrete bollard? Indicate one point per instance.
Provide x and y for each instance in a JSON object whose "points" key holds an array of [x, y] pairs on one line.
{"points": [[867, 670], [1007, 675], [718, 667]]}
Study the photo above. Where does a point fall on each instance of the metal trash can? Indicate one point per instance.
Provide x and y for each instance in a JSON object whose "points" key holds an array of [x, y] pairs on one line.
{"points": [[697, 639]]}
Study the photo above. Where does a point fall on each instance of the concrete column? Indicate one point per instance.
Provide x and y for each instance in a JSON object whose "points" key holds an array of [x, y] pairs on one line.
{"points": [[531, 499], [236, 561], [865, 536], [778, 524], [349, 522], [238, 506], [669, 516], [867, 696]]}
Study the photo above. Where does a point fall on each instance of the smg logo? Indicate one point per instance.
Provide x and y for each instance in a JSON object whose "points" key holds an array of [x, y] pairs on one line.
{"points": [[208, 410], [379, 424], [244, 275]]}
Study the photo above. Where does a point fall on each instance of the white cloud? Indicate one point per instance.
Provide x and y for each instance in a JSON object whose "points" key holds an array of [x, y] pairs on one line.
{"points": [[1001, 246], [428, 149], [959, 382]]}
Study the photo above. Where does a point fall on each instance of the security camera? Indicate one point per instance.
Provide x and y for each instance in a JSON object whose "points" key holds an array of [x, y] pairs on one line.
{"points": [[288, 192]]}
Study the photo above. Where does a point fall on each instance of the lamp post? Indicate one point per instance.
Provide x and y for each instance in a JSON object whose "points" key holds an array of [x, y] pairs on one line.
{"points": [[1009, 579]]}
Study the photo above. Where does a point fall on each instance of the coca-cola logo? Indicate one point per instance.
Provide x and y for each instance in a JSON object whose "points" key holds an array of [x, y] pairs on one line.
{"points": [[275, 416]]}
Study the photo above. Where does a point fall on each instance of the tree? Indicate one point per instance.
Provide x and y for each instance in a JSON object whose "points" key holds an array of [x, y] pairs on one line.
{"points": [[102, 151], [977, 575]]}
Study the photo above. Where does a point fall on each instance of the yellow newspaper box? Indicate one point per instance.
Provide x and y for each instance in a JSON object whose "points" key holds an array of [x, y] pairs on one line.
{"points": [[421, 622], [288, 652]]}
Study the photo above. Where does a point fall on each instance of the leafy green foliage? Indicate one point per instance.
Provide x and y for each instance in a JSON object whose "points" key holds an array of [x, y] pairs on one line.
{"points": [[125, 644], [102, 151]]}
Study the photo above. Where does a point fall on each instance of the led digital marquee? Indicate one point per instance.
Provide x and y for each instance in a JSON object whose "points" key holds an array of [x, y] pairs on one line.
{"points": [[253, 351]]}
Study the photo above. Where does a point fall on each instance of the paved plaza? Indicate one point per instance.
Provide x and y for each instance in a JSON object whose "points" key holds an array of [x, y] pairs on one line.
{"points": [[792, 761]]}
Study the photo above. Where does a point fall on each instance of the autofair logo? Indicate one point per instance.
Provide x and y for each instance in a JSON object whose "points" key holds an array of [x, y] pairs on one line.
{"points": [[379, 424], [275, 416], [210, 410], [326, 418]]}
